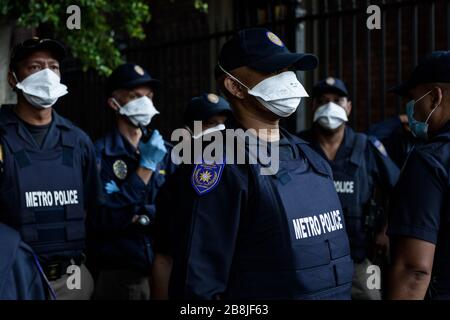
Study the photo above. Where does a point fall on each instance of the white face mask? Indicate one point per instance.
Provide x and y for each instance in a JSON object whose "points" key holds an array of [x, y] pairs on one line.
{"points": [[42, 89], [330, 116], [139, 111], [281, 94], [219, 127]]}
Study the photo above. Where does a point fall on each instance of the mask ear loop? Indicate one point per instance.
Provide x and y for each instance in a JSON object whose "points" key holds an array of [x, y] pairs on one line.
{"points": [[117, 104], [415, 101], [17, 81], [432, 111], [423, 96], [232, 77]]}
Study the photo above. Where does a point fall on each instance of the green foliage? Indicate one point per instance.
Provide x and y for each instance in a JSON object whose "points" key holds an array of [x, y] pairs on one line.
{"points": [[101, 21], [201, 5]]}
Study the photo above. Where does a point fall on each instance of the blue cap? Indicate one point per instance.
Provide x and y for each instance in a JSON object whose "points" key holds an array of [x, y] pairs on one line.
{"points": [[205, 106], [22, 50], [433, 68], [330, 85], [261, 50], [128, 76]]}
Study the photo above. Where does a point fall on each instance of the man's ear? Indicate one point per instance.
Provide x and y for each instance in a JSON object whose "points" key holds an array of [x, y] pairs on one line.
{"points": [[233, 88], [437, 96], [112, 104], [349, 107], [11, 80]]}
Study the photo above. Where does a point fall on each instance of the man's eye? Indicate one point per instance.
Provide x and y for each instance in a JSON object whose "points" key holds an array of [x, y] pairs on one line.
{"points": [[35, 67], [54, 67]]}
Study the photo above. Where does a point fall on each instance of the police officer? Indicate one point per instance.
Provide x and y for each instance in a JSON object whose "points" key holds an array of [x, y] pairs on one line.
{"points": [[240, 232], [21, 275], [49, 181], [419, 216], [134, 163], [360, 164], [210, 110], [204, 114]]}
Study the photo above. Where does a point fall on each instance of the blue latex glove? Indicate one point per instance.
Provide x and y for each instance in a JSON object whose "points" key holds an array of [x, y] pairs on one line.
{"points": [[111, 187], [153, 151]]}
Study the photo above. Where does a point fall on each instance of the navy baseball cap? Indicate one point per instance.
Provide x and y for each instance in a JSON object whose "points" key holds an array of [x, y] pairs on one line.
{"points": [[128, 76], [435, 67], [330, 85], [22, 50], [261, 50], [205, 106]]}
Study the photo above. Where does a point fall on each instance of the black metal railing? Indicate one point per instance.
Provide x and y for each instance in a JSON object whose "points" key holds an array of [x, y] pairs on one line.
{"points": [[183, 55]]}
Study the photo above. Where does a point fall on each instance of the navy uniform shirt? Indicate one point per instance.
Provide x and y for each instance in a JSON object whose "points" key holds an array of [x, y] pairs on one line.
{"points": [[88, 173], [116, 242], [231, 238], [397, 140], [420, 206]]}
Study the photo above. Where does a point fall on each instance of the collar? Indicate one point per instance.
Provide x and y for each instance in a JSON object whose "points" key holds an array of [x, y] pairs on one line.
{"points": [[117, 145], [349, 138], [8, 116]]}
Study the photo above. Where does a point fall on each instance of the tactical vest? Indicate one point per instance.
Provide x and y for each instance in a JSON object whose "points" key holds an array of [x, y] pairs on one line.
{"points": [[48, 206], [295, 245], [353, 185]]}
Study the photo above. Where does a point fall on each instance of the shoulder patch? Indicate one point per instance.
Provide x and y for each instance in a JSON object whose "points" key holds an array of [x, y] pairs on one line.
{"points": [[206, 177], [380, 147]]}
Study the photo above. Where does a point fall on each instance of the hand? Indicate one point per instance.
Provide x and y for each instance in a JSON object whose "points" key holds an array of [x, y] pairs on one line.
{"points": [[403, 118], [111, 187], [153, 151]]}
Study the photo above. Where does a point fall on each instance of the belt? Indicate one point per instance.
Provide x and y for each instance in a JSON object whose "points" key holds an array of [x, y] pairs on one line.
{"points": [[55, 269]]}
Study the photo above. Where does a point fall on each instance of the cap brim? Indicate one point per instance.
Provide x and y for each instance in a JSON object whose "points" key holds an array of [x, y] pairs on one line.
{"points": [[402, 89], [53, 46], [299, 61], [153, 83], [216, 111], [318, 92]]}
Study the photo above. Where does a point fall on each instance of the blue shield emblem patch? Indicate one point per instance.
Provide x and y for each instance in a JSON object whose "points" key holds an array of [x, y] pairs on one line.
{"points": [[206, 177]]}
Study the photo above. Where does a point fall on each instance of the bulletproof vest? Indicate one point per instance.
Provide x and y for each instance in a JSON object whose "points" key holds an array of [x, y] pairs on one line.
{"points": [[353, 185], [294, 244], [48, 194]]}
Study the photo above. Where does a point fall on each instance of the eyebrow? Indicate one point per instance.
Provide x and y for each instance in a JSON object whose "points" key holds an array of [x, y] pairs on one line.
{"points": [[41, 60]]}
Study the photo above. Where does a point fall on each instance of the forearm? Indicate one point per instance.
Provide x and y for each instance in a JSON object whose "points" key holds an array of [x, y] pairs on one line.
{"points": [[407, 283], [162, 268]]}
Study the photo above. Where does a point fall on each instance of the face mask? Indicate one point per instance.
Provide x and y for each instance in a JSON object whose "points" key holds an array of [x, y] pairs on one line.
{"points": [[139, 111], [42, 89], [219, 127], [281, 94], [330, 116], [418, 129]]}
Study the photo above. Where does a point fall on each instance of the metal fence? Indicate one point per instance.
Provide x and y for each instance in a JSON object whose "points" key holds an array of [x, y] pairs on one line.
{"points": [[183, 55]]}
